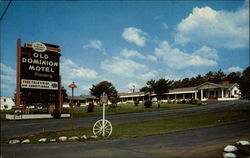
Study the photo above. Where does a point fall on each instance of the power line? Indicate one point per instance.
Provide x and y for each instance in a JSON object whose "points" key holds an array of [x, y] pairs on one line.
{"points": [[5, 10]]}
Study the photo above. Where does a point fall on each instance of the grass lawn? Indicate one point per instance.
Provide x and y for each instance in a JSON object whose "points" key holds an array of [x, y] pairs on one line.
{"points": [[155, 127], [128, 108], [120, 109]]}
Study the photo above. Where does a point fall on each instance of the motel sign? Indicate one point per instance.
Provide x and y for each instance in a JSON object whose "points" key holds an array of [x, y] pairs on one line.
{"points": [[38, 79]]}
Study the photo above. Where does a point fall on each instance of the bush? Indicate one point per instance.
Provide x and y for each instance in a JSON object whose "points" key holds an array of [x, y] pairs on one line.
{"points": [[174, 101], [197, 101], [147, 103], [191, 101], [179, 101], [136, 102], [113, 106], [169, 101], [90, 107], [183, 101]]}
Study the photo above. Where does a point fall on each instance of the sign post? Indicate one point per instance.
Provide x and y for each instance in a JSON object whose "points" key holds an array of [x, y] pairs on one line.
{"points": [[72, 86], [103, 127]]}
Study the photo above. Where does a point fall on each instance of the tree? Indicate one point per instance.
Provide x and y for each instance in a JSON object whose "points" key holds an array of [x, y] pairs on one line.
{"points": [[158, 87], [233, 77], [161, 86], [209, 76], [64, 94], [106, 87], [244, 83], [219, 76], [148, 89]]}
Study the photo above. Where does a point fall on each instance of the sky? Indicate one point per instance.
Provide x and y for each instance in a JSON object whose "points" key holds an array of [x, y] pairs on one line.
{"points": [[128, 42]]}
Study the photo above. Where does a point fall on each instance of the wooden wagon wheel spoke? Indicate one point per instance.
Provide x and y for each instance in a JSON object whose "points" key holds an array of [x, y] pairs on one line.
{"points": [[99, 130]]}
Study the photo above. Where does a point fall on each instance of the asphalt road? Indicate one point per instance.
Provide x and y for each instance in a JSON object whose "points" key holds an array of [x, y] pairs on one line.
{"points": [[26, 127], [205, 142]]}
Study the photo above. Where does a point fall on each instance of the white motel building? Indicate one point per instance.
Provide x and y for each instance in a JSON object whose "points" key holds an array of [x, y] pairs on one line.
{"points": [[205, 92]]}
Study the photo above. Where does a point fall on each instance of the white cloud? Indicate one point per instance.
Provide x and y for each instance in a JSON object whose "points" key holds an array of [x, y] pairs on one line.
{"points": [[134, 35], [207, 52], [95, 44], [71, 71], [134, 53], [175, 58], [7, 69], [165, 26], [8, 78], [4, 86], [148, 75], [85, 87], [219, 29], [128, 68], [131, 85], [151, 57], [234, 69], [131, 53], [123, 67]]}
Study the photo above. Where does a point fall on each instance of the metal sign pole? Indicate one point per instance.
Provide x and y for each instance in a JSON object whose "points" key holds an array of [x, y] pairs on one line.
{"points": [[103, 127], [103, 117]]}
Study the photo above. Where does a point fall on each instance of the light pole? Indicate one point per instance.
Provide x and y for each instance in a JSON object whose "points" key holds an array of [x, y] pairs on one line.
{"points": [[72, 86]]}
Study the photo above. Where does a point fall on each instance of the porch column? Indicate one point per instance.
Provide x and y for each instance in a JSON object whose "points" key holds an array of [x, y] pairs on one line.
{"points": [[222, 93], [183, 96], [168, 96], [195, 95], [175, 96], [201, 93]]}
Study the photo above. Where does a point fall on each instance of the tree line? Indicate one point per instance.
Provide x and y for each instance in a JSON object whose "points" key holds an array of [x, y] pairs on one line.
{"points": [[214, 77]]}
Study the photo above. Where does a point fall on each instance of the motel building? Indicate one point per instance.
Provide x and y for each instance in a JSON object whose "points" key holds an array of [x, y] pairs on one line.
{"points": [[205, 92]]}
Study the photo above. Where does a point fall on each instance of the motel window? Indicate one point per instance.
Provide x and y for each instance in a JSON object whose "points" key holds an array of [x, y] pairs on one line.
{"points": [[4, 100]]}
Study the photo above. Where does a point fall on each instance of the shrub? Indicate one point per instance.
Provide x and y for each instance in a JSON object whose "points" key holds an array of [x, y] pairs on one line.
{"points": [[136, 102], [147, 103], [183, 101], [91, 107], [179, 101], [191, 101], [169, 101], [113, 106], [197, 101]]}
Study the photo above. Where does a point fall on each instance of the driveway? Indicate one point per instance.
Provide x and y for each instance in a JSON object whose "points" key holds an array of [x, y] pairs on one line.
{"points": [[205, 142], [26, 127]]}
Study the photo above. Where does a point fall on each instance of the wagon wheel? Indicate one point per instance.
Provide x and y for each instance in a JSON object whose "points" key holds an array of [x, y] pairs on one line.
{"points": [[98, 129]]}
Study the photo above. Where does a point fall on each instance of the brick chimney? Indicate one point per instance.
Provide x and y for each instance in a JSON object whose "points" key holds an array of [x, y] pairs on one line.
{"points": [[225, 82]]}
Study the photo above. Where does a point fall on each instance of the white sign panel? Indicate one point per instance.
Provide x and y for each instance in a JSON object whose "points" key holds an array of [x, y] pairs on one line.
{"points": [[39, 47], [37, 84]]}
